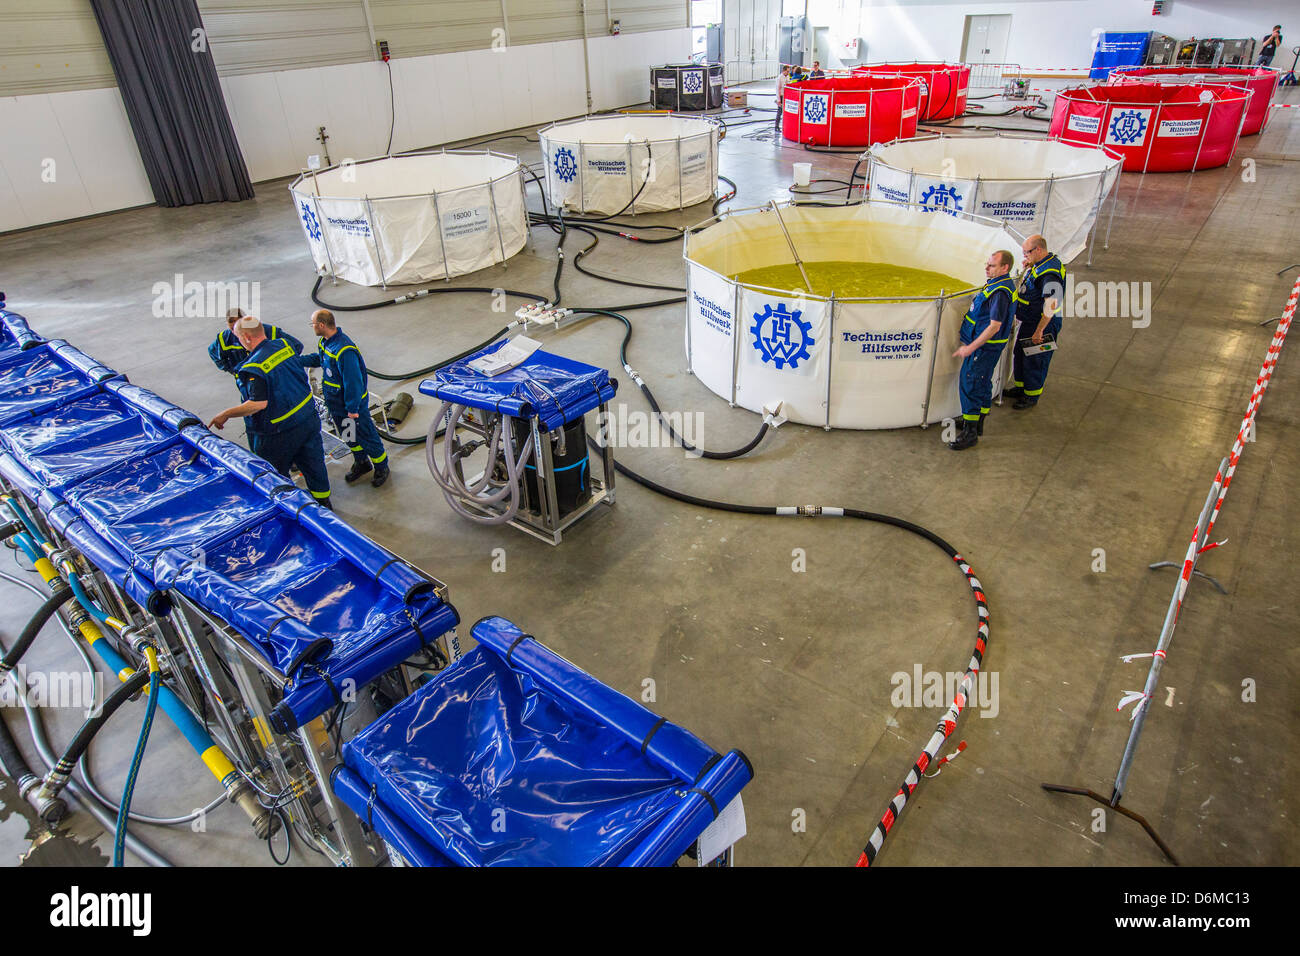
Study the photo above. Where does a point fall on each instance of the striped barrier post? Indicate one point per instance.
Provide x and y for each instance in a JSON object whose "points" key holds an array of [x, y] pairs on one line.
{"points": [[1199, 544]]}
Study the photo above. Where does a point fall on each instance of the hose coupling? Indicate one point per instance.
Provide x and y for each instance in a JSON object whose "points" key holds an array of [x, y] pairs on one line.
{"points": [[264, 822], [44, 797]]}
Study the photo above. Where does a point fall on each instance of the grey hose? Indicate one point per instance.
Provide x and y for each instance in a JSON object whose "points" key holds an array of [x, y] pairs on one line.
{"points": [[74, 791], [459, 495]]}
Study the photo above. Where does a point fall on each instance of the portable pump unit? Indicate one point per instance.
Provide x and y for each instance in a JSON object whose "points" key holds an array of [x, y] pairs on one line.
{"points": [[528, 414]]}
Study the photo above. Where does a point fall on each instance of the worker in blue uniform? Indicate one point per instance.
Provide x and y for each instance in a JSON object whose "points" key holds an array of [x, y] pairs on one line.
{"points": [[347, 398], [1038, 301], [279, 413], [226, 352], [984, 331]]}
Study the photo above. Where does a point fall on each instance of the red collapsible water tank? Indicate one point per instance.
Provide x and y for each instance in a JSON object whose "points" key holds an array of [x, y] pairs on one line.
{"points": [[1156, 128], [943, 96], [1262, 82], [853, 110]]}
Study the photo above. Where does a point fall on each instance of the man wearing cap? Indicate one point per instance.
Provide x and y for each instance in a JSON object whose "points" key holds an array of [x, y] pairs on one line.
{"points": [[984, 331], [1042, 287], [226, 352], [347, 397], [278, 410]]}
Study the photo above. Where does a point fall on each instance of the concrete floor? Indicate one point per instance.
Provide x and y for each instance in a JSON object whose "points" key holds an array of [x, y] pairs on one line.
{"points": [[795, 669]]}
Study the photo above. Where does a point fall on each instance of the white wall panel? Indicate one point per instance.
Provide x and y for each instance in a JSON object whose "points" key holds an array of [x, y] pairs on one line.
{"points": [[454, 90], [11, 211], [24, 157], [440, 99], [420, 116], [358, 111], [99, 137], [513, 81], [254, 103]]}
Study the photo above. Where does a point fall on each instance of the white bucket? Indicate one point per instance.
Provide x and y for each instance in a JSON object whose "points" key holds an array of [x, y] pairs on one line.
{"points": [[802, 173]]}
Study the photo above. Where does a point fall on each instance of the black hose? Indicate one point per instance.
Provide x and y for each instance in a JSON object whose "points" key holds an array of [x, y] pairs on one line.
{"points": [[121, 694], [806, 511], [439, 290], [38, 620], [645, 390], [12, 762]]}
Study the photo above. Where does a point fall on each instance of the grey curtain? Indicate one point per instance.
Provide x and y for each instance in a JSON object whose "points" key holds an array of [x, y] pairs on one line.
{"points": [[174, 101]]}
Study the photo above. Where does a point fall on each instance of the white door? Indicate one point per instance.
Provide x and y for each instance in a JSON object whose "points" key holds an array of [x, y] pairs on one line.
{"points": [[750, 38], [986, 38]]}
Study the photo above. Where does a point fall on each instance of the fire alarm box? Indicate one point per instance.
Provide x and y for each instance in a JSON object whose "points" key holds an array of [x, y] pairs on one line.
{"points": [[615, 27]]}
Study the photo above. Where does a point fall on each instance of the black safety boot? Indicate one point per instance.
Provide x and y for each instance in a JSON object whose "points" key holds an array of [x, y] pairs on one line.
{"points": [[360, 466], [381, 475], [325, 503], [1025, 401], [968, 437], [979, 425], [1013, 392]]}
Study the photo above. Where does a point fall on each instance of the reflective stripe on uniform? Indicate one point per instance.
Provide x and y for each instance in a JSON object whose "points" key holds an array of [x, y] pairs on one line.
{"points": [[335, 355], [320, 495], [276, 421]]}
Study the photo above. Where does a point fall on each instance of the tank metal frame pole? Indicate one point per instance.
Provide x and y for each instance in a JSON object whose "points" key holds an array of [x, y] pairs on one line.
{"points": [[934, 358], [374, 235], [650, 153], [790, 242], [496, 217], [324, 237], [1205, 129], [1096, 214], [830, 358], [975, 194], [631, 188], [1047, 199], [582, 198], [735, 344], [1114, 201], [442, 240], [1151, 146], [523, 203], [830, 116], [690, 354]]}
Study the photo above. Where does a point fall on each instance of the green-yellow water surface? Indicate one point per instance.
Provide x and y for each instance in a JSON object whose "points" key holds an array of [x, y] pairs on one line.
{"points": [[854, 280]]}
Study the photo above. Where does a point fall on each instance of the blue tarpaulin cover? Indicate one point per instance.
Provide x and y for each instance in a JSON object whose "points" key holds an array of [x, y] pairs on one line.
{"points": [[513, 756], [1118, 49], [160, 504], [555, 389]]}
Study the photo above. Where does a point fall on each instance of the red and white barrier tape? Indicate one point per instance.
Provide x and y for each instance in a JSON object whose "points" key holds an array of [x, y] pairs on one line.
{"points": [[1222, 479], [1286, 106], [1244, 434]]}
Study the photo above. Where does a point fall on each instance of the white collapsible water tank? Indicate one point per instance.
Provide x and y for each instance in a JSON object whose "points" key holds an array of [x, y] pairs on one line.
{"points": [[627, 163], [834, 361], [398, 220], [1035, 185]]}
